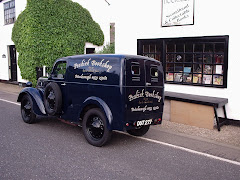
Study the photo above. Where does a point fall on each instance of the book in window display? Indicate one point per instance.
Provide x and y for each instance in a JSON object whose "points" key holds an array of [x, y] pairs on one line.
{"points": [[179, 58], [207, 69], [197, 78], [169, 77], [187, 78], [218, 80], [207, 79], [178, 77], [197, 68], [187, 70], [218, 69], [219, 58]]}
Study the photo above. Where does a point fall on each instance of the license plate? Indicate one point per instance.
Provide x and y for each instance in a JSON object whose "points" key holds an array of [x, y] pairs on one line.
{"points": [[144, 122]]}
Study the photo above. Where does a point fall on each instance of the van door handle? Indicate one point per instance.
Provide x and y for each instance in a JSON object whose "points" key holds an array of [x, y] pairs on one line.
{"points": [[148, 84], [64, 84]]}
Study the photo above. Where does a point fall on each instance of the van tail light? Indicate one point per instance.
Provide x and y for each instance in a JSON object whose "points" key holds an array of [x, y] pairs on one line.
{"points": [[156, 121]]}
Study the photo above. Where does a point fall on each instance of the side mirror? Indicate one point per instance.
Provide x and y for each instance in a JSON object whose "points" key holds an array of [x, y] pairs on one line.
{"points": [[29, 84]]}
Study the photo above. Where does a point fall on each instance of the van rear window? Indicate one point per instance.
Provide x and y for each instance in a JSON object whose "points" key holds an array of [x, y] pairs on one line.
{"points": [[135, 70], [154, 71]]}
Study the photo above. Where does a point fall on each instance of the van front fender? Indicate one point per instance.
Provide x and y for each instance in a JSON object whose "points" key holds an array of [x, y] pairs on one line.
{"points": [[102, 105], [37, 99]]}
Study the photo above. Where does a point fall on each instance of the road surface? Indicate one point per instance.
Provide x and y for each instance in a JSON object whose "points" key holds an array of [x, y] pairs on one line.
{"points": [[50, 149]]}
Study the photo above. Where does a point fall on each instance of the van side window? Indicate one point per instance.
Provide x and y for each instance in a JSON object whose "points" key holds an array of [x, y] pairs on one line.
{"points": [[60, 70]]}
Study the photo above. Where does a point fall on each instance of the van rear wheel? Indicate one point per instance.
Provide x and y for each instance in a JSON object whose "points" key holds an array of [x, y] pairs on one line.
{"points": [[139, 131], [95, 127]]}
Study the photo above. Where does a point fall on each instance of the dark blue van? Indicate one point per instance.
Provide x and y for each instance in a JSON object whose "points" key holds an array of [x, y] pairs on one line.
{"points": [[101, 93]]}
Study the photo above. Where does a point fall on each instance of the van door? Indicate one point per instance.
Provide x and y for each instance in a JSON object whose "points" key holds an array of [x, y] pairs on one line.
{"points": [[154, 88], [135, 89], [144, 90], [59, 76]]}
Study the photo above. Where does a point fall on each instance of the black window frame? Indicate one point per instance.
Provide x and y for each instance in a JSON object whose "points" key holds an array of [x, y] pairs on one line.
{"points": [[195, 59], [9, 12]]}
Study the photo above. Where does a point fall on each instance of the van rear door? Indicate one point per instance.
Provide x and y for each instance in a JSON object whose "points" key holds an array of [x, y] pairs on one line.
{"points": [[154, 89], [144, 91]]}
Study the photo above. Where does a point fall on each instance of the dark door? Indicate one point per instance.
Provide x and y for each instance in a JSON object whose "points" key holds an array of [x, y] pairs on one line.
{"points": [[13, 63], [144, 89], [59, 76]]}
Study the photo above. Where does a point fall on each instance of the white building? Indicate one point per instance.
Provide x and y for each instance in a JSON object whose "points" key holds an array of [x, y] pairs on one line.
{"points": [[9, 11], [196, 40]]}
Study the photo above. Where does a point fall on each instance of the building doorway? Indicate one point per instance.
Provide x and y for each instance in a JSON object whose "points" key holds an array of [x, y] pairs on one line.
{"points": [[12, 63], [90, 50]]}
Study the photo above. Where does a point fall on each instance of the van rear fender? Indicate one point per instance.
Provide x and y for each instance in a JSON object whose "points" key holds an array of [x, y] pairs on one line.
{"points": [[37, 99], [92, 102]]}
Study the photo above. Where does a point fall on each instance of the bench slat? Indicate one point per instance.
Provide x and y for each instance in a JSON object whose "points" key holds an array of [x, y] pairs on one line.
{"points": [[190, 98]]}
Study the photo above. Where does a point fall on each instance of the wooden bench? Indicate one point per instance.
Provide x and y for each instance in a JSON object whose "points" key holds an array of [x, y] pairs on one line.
{"points": [[202, 100]]}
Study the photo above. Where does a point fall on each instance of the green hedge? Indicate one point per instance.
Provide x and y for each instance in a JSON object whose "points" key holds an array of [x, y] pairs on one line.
{"points": [[108, 49], [50, 29]]}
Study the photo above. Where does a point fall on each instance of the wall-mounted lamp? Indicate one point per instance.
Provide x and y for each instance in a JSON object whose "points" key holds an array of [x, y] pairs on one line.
{"points": [[4, 56]]}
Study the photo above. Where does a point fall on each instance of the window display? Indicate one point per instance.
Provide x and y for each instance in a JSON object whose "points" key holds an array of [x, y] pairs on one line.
{"points": [[194, 60]]}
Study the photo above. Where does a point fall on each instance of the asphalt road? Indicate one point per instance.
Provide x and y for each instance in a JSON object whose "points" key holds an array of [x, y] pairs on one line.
{"points": [[50, 149]]}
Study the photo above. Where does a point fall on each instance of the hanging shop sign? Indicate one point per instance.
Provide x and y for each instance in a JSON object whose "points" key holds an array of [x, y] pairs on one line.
{"points": [[177, 12]]}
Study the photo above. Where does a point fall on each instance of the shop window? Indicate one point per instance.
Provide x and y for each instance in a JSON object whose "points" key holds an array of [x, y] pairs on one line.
{"points": [[9, 12], [152, 50], [198, 61]]}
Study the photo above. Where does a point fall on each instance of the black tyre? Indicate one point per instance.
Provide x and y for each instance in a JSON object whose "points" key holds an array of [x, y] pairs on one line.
{"points": [[139, 131], [95, 127], [28, 115], [53, 99]]}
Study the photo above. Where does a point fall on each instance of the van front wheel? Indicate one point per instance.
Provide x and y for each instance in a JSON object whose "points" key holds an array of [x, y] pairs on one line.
{"points": [[95, 127], [139, 131], [28, 115]]}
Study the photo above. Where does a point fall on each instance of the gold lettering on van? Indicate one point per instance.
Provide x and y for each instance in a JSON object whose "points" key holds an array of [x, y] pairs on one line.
{"points": [[93, 63], [143, 94]]}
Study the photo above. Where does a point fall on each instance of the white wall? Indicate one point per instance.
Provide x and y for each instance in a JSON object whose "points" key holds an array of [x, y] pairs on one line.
{"points": [[5, 35], [142, 20], [100, 12]]}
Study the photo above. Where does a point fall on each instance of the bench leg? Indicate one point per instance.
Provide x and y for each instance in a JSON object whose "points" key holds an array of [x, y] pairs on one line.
{"points": [[225, 116], [217, 119], [225, 113]]}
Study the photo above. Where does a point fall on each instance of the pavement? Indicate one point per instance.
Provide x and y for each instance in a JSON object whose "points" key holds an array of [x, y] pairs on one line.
{"points": [[229, 136]]}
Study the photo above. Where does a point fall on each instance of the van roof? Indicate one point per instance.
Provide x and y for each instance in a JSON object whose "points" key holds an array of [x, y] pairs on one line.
{"points": [[107, 55]]}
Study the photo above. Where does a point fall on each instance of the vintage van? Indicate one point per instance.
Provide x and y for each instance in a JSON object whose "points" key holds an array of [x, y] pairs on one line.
{"points": [[101, 93]]}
